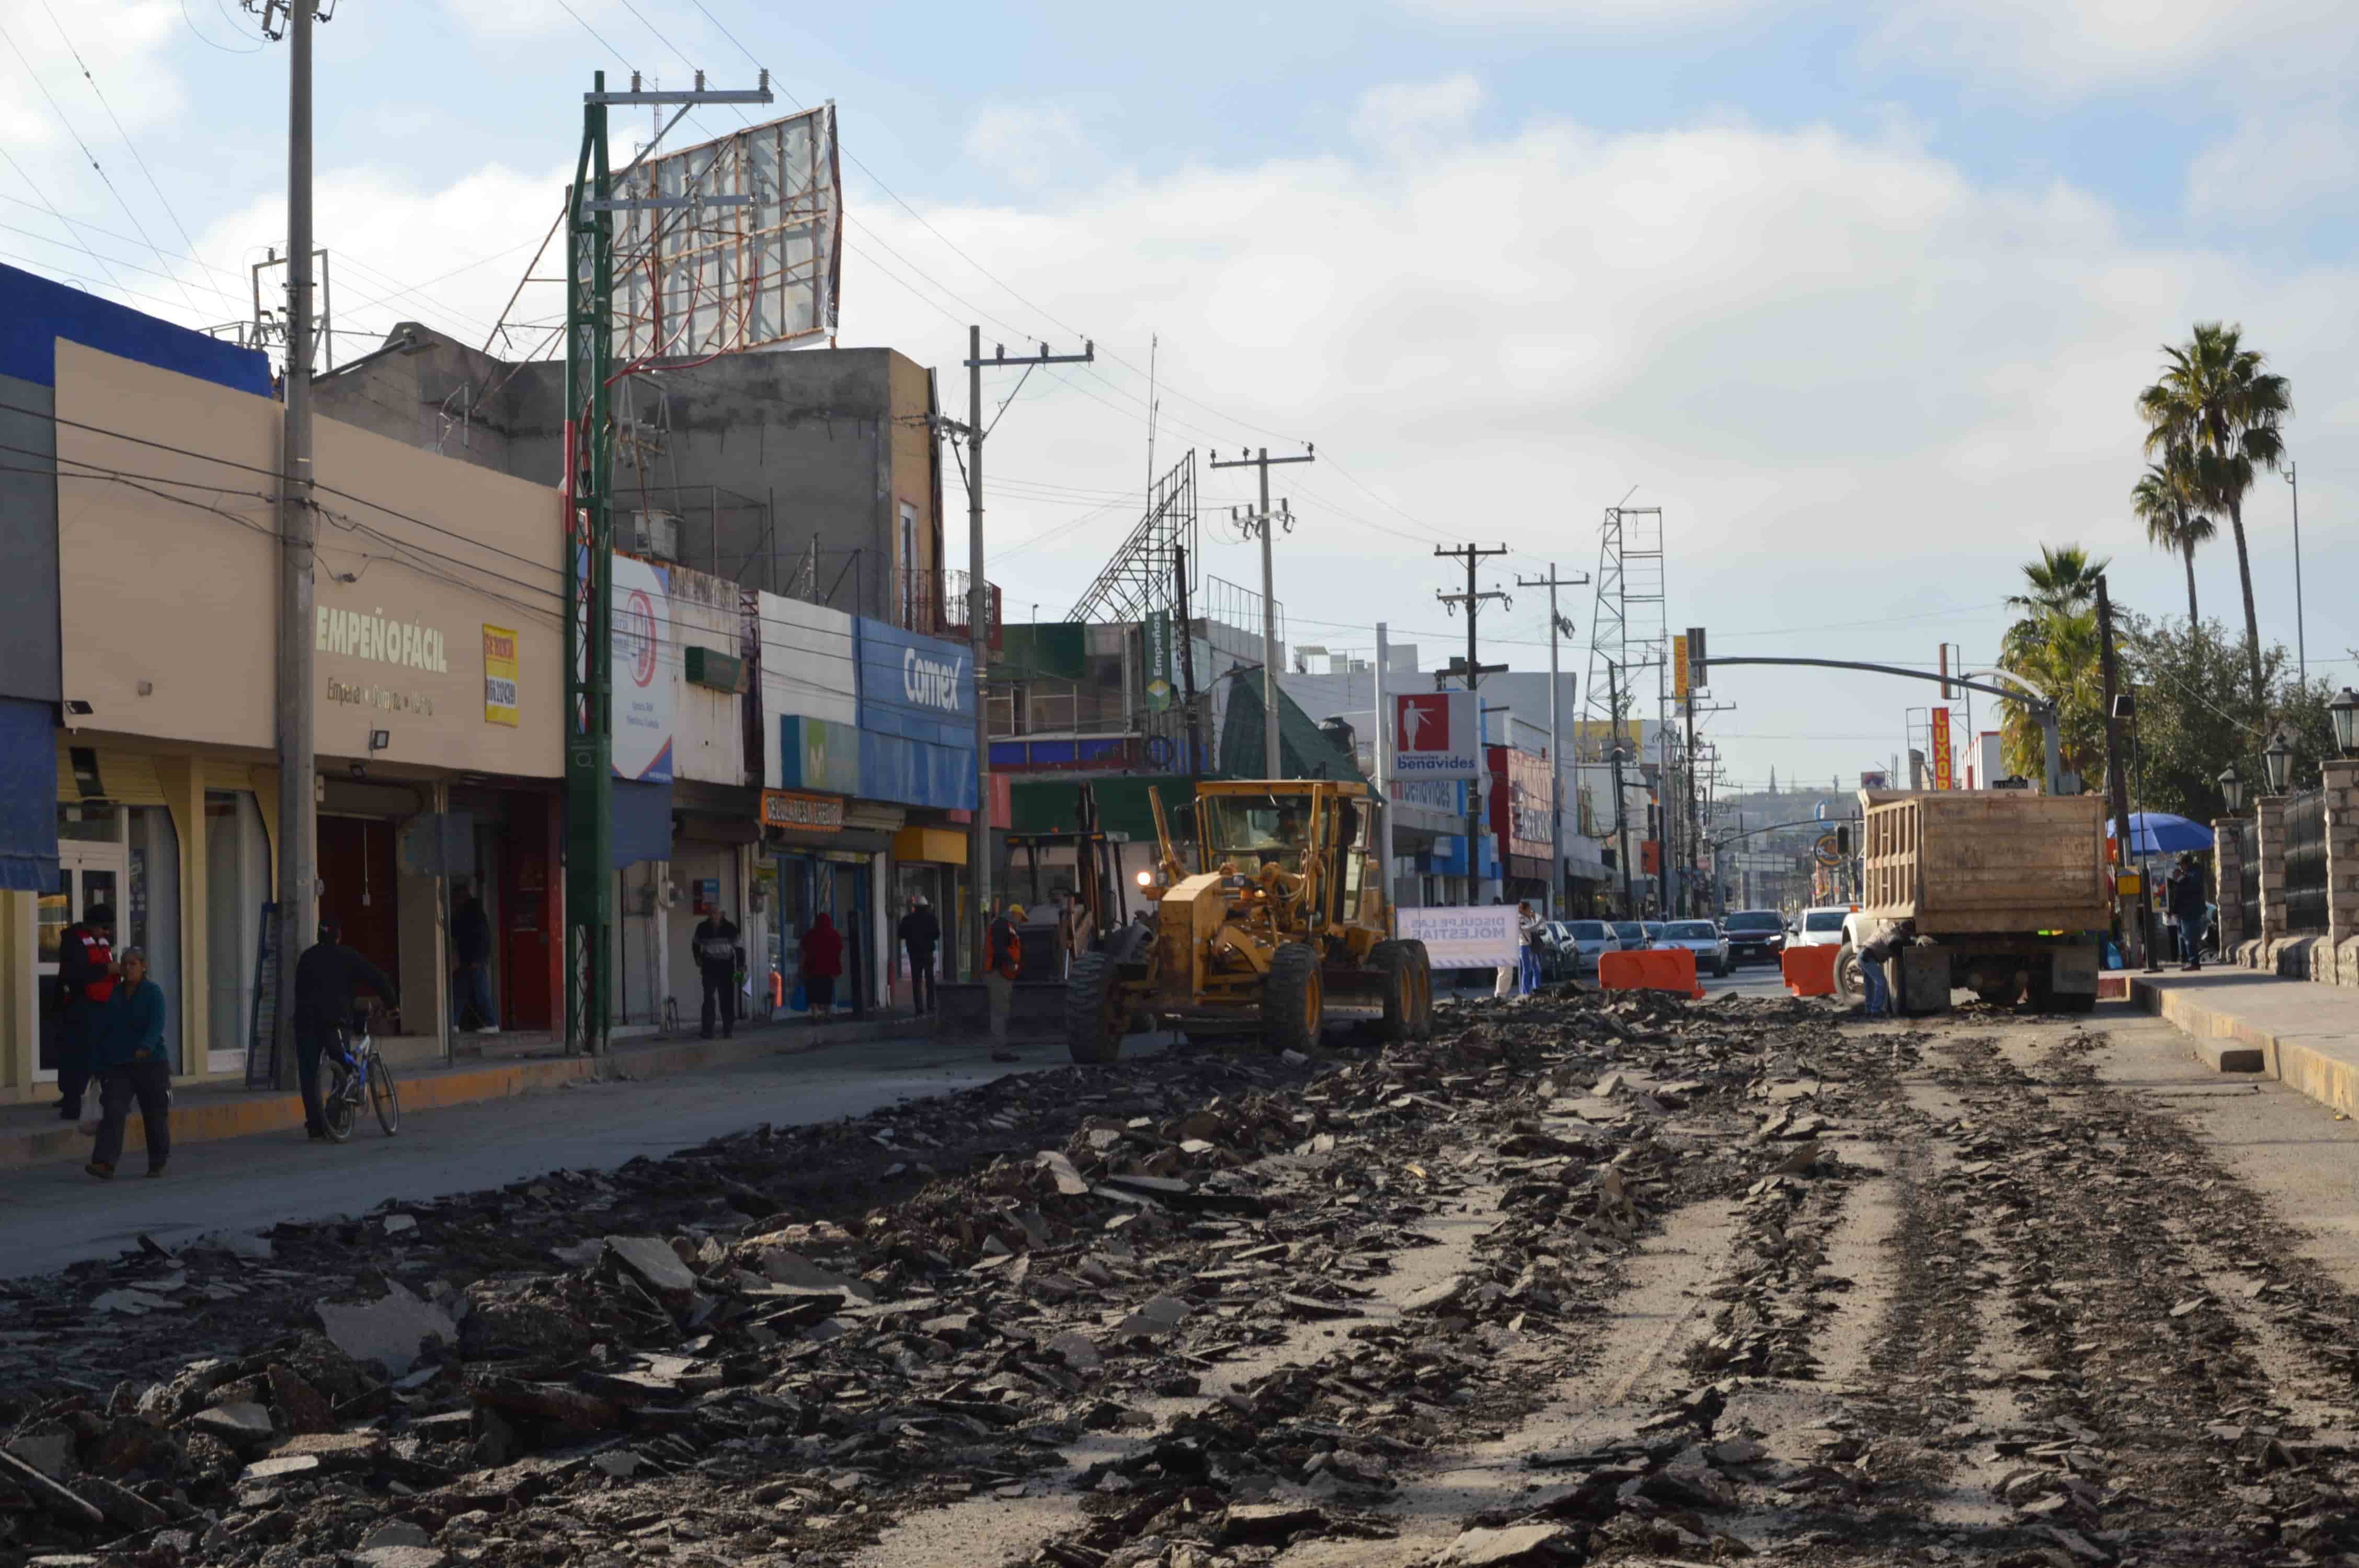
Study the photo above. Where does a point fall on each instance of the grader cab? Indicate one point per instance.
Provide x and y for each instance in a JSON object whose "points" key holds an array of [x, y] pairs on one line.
{"points": [[1282, 928]]}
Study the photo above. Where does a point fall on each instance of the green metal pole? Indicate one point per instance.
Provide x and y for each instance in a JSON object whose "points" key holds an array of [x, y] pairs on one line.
{"points": [[589, 615]]}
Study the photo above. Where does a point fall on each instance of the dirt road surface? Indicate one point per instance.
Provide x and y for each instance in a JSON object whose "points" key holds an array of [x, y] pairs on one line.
{"points": [[1652, 1283]]}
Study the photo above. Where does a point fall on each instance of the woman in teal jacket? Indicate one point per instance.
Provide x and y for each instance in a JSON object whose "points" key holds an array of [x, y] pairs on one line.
{"points": [[129, 1059]]}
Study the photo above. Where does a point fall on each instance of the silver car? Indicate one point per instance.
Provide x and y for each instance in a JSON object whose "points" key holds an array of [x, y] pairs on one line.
{"points": [[1702, 938], [1578, 944]]}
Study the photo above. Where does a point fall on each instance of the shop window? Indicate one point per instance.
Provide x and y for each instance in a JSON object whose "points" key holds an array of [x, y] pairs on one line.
{"points": [[152, 920], [237, 885], [91, 824]]}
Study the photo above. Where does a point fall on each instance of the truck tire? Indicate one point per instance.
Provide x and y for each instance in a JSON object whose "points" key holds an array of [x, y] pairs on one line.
{"points": [[1096, 1012], [1293, 999], [1850, 984], [1421, 1027], [2076, 1002], [1392, 960]]}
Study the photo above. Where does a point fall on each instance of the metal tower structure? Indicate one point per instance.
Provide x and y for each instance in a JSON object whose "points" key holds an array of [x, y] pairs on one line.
{"points": [[1140, 578], [1629, 631]]}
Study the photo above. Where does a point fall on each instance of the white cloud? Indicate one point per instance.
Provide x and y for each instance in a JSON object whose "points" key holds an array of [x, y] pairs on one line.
{"points": [[2069, 47], [1603, 16], [121, 42], [1409, 116], [1032, 146], [2278, 165]]}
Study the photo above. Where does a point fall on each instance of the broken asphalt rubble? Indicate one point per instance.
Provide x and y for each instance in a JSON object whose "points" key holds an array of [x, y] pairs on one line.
{"points": [[768, 1348]]}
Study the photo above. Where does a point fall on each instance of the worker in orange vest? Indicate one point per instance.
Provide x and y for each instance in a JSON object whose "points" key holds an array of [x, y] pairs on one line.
{"points": [[1002, 961]]}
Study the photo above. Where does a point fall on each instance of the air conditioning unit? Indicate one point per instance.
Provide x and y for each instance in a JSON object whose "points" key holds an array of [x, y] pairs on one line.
{"points": [[656, 534]]}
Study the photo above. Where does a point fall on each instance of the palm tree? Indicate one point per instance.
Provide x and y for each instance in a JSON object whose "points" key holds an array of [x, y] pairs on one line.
{"points": [[2061, 658], [2167, 500], [2062, 581], [2215, 398]]}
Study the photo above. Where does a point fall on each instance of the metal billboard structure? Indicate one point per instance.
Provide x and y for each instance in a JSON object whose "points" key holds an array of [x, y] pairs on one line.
{"points": [[706, 277]]}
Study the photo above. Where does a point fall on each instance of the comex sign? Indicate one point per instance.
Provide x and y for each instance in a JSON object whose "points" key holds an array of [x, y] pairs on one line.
{"points": [[931, 683]]}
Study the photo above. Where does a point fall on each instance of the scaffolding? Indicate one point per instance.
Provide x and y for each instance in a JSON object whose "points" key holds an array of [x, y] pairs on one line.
{"points": [[1629, 631], [1142, 576]]}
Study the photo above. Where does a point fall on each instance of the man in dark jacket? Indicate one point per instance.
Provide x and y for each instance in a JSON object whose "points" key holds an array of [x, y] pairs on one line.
{"points": [[2183, 892], [719, 957], [86, 972], [128, 1056], [471, 941], [325, 978], [921, 934]]}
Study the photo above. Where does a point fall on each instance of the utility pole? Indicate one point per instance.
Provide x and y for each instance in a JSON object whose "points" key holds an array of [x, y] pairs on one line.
{"points": [[1621, 811], [1187, 667], [589, 719], [2116, 777], [2301, 638], [1385, 785], [1272, 763], [1474, 670], [297, 534], [978, 611], [1559, 626]]}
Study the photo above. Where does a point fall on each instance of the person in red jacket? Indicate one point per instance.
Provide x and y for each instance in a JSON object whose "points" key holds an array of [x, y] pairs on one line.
{"points": [[1003, 962], [822, 950]]}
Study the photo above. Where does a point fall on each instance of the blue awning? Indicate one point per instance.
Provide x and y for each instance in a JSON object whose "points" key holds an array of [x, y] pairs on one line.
{"points": [[642, 822], [28, 798]]}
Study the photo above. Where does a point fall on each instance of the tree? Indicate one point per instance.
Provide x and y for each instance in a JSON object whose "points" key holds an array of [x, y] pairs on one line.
{"points": [[2188, 730], [2217, 398], [2056, 651], [2062, 581], [2168, 500]]}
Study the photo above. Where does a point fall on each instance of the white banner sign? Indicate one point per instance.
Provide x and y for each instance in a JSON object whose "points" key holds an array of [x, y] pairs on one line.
{"points": [[1436, 735], [1482, 938]]}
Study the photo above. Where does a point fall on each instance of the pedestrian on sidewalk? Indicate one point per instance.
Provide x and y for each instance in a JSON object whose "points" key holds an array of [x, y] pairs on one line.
{"points": [[921, 934], [720, 958], [86, 975], [326, 976], [1004, 960], [128, 1060], [1528, 958], [822, 950], [2186, 899], [471, 939]]}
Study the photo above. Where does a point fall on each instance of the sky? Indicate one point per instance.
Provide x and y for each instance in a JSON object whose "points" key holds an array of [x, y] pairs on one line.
{"points": [[1859, 296]]}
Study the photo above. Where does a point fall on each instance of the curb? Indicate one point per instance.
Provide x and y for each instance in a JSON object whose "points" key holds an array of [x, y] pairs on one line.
{"points": [[2229, 1045], [202, 1117]]}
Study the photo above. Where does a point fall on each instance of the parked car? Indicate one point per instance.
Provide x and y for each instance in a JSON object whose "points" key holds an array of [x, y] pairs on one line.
{"points": [[1823, 926], [1575, 945], [1654, 931], [1754, 934], [1702, 938], [1631, 935]]}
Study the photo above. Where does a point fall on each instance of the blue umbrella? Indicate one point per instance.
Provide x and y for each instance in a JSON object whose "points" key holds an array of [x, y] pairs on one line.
{"points": [[2160, 833]]}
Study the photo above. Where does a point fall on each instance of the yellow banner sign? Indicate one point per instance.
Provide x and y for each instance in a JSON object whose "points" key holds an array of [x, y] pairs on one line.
{"points": [[499, 676], [1945, 775], [1679, 688]]}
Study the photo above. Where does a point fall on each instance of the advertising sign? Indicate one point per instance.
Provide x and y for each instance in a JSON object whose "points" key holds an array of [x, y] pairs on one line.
{"points": [[1436, 735], [1529, 782], [1944, 773], [914, 686], [1159, 670], [804, 813], [1482, 938], [1875, 778], [499, 674], [1681, 687], [819, 754], [643, 671]]}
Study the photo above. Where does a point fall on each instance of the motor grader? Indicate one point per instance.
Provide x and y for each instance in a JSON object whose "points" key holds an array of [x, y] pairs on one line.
{"points": [[1282, 928]]}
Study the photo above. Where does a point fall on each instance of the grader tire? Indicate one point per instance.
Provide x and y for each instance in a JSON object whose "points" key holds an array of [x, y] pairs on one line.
{"points": [[1095, 1010], [1293, 999], [1392, 960], [1421, 969]]}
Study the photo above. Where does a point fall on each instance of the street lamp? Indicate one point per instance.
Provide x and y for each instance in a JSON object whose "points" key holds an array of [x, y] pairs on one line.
{"points": [[2345, 710], [2278, 761], [2232, 789]]}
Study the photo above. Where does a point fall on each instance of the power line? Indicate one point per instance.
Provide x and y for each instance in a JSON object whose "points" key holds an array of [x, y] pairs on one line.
{"points": [[50, 208]]}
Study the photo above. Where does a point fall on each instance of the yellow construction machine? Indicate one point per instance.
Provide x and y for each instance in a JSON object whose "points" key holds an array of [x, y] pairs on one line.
{"points": [[1282, 928]]}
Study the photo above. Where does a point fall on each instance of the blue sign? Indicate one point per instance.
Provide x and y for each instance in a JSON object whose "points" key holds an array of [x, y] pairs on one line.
{"points": [[839, 759], [915, 687], [818, 754]]}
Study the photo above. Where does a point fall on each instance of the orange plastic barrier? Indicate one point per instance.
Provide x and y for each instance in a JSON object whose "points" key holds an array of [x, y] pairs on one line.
{"points": [[1654, 969], [1811, 971]]}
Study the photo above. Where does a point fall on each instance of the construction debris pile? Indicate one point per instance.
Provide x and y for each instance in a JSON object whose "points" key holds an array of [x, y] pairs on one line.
{"points": [[1208, 1272]]}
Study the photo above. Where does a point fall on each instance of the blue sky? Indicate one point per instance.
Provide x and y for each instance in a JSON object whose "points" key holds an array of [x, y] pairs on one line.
{"points": [[1859, 295]]}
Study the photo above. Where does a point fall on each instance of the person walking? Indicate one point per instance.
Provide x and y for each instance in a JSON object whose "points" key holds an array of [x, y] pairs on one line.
{"points": [[921, 934], [471, 939], [129, 1059], [1004, 960], [326, 976], [822, 950], [86, 976], [2184, 897], [1528, 953], [720, 955]]}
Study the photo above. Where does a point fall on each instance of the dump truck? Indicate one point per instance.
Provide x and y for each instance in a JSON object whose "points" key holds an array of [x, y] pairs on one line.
{"points": [[2007, 892], [1282, 928]]}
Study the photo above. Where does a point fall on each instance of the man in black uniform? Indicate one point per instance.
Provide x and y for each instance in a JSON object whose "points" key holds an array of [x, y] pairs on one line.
{"points": [[325, 976], [86, 971], [921, 934], [718, 958]]}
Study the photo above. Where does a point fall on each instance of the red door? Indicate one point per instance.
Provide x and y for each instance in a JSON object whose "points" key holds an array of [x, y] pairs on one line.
{"points": [[357, 888], [529, 896]]}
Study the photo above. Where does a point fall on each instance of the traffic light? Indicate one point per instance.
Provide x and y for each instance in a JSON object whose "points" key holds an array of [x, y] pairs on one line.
{"points": [[1842, 840]]}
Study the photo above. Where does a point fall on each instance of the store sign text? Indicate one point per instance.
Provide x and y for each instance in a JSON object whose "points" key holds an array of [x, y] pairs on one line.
{"points": [[409, 643], [929, 683], [352, 694], [809, 813]]}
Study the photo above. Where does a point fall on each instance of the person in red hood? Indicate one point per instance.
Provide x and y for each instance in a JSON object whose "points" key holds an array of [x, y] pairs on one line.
{"points": [[822, 962]]}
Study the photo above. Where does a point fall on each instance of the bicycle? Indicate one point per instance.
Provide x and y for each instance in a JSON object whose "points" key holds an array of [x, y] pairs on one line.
{"points": [[360, 1070]]}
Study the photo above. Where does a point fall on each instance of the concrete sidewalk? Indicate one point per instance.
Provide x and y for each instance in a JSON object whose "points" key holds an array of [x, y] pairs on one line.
{"points": [[2304, 1034], [33, 1135]]}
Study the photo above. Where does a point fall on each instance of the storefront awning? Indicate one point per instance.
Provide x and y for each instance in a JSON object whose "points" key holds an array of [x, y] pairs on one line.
{"points": [[28, 798], [642, 819]]}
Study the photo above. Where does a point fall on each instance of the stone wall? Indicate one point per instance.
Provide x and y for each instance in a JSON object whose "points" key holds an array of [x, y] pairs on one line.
{"points": [[2329, 959]]}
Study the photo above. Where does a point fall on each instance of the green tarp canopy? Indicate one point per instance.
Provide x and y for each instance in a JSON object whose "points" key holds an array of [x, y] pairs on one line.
{"points": [[1303, 747], [1048, 805]]}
